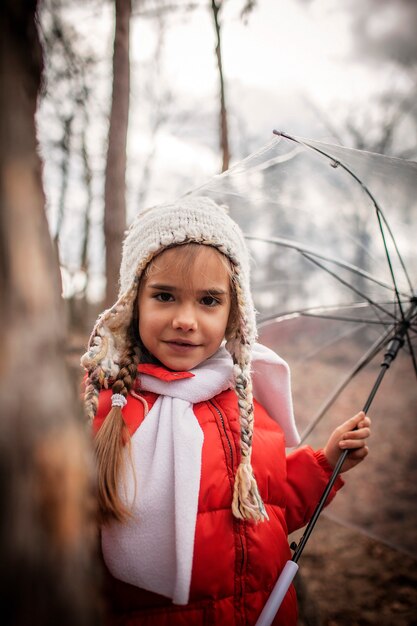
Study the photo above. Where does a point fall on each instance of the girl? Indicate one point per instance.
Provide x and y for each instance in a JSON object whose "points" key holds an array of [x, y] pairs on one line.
{"points": [[191, 419]]}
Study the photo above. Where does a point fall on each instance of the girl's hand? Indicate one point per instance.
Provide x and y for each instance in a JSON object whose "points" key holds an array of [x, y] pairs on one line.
{"points": [[345, 437]]}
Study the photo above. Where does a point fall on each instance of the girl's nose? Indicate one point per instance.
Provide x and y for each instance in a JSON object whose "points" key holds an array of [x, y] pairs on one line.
{"points": [[184, 319]]}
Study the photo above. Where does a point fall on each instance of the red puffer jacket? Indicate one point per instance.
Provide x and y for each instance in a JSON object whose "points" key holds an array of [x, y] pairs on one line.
{"points": [[235, 563]]}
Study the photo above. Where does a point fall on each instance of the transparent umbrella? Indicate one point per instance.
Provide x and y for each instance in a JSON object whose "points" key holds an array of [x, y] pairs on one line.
{"points": [[333, 235]]}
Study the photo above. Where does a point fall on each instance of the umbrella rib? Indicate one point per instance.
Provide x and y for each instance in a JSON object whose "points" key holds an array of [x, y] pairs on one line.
{"points": [[341, 318], [366, 358], [331, 342], [346, 284], [371, 302], [350, 268], [379, 212], [317, 312], [285, 243], [388, 227], [412, 353], [380, 217]]}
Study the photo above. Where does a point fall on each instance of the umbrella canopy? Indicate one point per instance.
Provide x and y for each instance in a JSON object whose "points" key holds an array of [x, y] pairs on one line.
{"points": [[333, 232]]}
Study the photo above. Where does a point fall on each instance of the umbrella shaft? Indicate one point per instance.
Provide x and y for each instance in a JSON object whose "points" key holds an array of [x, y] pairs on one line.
{"points": [[392, 350], [372, 395], [310, 527]]}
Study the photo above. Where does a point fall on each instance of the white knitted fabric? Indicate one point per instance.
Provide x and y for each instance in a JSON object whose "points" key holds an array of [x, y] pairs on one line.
{"points": [[197, 219], [191, 219]]}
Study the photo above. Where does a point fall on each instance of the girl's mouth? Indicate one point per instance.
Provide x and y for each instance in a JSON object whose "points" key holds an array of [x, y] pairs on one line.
{"points": [[181, 346]]}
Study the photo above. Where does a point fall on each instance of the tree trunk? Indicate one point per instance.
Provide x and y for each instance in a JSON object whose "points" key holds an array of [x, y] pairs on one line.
{"points": [[46, 528], [115, 180], [224, 135], [88, 181], [65, 165]]}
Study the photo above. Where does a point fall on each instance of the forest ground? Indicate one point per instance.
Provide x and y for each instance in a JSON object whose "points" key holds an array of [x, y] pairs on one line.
{"points": [[348, 578], [359, 567]]}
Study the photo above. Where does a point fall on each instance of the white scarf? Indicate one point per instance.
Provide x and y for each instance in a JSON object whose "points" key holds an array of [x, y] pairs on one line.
{"points": [[154, 548]]}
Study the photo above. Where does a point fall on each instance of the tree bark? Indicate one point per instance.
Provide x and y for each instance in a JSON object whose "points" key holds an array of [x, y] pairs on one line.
{"points": [[115, 177], [46, 529], [224, 134]]}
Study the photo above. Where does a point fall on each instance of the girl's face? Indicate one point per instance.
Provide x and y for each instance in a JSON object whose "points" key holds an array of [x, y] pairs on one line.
{"points": [[183, 315]]}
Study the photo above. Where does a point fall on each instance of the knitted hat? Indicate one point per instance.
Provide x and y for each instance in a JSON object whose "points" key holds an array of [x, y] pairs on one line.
{"points": [[192, 219]]}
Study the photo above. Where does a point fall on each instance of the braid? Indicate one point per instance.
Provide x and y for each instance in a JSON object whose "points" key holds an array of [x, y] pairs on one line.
{"points": [[111, 437], [245, 401], [93, 383], [111, 362], [247, 503], [91, 393], [128, 367]]}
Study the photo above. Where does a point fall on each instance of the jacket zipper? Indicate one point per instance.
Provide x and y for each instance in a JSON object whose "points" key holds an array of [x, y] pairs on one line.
{"points": [[219, 413], [242, 561]]}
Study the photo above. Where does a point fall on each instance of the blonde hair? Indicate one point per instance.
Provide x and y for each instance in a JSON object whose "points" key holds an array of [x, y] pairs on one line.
{"points": [[113, 435]]}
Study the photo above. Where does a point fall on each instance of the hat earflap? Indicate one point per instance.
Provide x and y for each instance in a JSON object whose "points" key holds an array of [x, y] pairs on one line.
{"points": [[108, 344]]}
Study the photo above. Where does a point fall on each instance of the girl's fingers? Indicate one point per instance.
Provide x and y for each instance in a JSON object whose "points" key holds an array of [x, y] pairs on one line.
{"points": [[352, 443], [361, 433], [359, 454], [350, 436], [355, 422], [359, 416]]}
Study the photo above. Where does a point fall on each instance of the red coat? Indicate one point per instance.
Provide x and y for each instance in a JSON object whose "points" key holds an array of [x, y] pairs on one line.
{"points": [[235, 563]]}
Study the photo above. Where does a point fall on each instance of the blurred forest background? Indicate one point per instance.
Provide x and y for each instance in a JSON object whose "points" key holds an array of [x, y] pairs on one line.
{"points": [[186, 89], [138, 102]]}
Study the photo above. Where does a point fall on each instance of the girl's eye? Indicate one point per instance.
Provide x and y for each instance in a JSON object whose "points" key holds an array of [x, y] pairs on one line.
{"points": [[164, 297], [209, 301]]}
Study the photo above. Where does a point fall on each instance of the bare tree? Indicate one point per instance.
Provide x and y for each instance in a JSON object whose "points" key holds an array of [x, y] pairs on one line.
{"points": [[161, 98], [66, 155], [46, 529], [224, 133], [88, 178], [115, 176], [216, 6], [67, 100]]}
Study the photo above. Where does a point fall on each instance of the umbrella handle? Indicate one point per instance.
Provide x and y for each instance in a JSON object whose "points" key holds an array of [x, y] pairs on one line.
{"points": [[277, 594]]}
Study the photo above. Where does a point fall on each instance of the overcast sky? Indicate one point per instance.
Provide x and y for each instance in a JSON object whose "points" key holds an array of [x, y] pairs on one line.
{"points": [[302, 66], [292, 64]]}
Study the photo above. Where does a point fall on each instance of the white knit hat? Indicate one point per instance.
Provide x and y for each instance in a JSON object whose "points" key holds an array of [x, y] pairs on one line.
{"points": [[192, 219]]}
